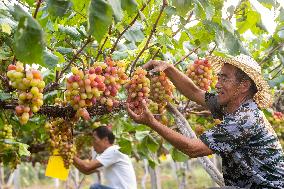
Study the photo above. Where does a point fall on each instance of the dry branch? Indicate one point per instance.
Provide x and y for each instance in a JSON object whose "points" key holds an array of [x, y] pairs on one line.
{"points": [[186, 130]]}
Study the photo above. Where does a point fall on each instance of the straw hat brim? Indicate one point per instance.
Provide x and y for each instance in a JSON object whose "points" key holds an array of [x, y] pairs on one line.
{"points": [[263, 97]]}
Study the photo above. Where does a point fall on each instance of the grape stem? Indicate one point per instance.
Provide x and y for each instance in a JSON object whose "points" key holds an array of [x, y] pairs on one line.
{"points": [[37, 8], [186, 56], [165, 3]]}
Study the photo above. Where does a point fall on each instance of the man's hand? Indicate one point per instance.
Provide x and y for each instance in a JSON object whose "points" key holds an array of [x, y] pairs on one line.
{"points": [[146, 117], [156, 66]]}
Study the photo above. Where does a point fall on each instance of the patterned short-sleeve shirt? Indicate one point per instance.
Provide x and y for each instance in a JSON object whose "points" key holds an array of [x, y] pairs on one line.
{"points": [[252, 156]]}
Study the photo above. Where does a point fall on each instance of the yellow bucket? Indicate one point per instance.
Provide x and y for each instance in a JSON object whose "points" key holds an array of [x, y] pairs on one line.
{"points": [[55, 167]]}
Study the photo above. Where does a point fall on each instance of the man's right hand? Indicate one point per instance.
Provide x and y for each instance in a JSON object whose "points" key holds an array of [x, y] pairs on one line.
{"points": [[146, 117], [156, 66]]}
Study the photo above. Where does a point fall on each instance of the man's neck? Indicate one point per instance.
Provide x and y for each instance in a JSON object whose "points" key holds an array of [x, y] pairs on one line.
{"points": [[233, 105]]}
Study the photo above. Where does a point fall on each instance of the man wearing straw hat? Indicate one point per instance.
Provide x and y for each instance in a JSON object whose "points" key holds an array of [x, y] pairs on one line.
{"points": [[252, 156]]}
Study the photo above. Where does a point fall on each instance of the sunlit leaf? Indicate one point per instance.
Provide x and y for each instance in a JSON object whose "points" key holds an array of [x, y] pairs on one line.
{"points": [[178, 155], [29, 40], [130, 6], [100, 17], [58, 7], [116, 9]]}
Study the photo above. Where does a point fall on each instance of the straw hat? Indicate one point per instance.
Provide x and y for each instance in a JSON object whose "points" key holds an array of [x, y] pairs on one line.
{"points": [[248, 65]]}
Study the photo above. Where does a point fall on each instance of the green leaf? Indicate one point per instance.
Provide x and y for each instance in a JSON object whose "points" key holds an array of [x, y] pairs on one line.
{"points": [[134, 33], [23, 150], [252, 18], [64, 50], [269, 3], [29, 2], [281, 15], [100, 18], [117, 55], [140, 135], [207, 7], [130, 6], [276, 81], [169, 10], [164, 40], [50, 60], [69, 30], [151, 143], [116, 9], [125, 146], [182, 6], [6, 28], [178, 155], [4, 96], [58, 7], [29, 42], [80, 5], [228, 42]]}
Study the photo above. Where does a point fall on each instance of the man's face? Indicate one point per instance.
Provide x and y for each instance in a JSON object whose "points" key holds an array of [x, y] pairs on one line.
{"points": [[227, 85], [98, 144]]}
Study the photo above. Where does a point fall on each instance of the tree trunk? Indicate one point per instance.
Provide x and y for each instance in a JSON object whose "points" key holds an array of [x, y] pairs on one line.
{"points": [[56, 183], [155, 177], [17, 182], [144, 178], [182, 182], [186, 130], [1, 176]]}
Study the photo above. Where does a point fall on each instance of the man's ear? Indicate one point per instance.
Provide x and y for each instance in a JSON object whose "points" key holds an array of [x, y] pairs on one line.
{"points": [[106, 139]]}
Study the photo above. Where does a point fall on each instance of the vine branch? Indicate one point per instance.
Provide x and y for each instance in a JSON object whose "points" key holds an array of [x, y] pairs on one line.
{"points": [[187, 20], [74, 58], [212, 50], [65, 111], [186, 56], [165, 3], [101, 47], [7, 87], [37, 8], [128, 26], [271, 52]]}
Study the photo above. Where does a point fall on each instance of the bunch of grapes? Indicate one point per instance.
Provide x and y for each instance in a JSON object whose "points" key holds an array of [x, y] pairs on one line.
{"points": [[8, 152], [30, 85], [61, 139], [201, 73], [161, 90], [156, 91], [6, 132], [138, 89], [199, 129], [114, 73], [84, 89], [278, 116]]}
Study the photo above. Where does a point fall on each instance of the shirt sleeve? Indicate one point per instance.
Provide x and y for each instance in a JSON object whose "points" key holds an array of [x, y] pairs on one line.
{"points": [[226, 138], [108, 157], [212, 104]]}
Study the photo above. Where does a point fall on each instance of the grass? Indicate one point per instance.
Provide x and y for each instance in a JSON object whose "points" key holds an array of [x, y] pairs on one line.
{"points": [[196, 178]]}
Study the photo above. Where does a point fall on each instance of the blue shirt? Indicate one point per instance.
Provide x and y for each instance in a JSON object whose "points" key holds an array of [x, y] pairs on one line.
{"points": [[252, 156]]}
